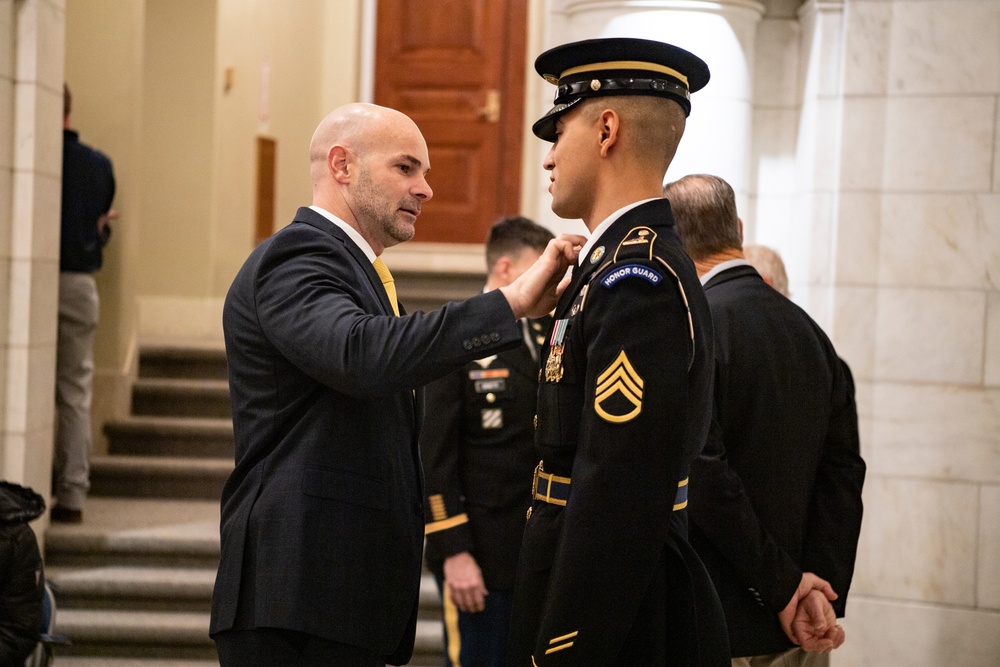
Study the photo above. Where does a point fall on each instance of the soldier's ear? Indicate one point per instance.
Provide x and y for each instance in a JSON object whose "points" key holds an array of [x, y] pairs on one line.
{"points": [[608, 124], [502, 269]]}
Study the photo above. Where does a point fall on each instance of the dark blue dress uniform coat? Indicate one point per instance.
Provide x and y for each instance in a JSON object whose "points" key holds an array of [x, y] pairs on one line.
{"points": [[778, 489], [624, 406], [478, 448], [323, 517]]}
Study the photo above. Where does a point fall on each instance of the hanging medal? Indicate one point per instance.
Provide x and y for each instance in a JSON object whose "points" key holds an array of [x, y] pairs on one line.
{"points": [[553, 365]]}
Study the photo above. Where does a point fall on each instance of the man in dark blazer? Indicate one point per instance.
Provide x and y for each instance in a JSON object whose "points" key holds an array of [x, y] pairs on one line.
{"points": [[323, 518], [478, 448], [776, 496], [606, 576]]}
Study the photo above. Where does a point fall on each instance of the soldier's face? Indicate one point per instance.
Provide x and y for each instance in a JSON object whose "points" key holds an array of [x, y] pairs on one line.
{"points": [[571, 163]]}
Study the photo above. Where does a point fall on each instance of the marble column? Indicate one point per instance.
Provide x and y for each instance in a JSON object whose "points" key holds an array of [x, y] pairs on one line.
{"points": [[31, 79], [718, 135]]}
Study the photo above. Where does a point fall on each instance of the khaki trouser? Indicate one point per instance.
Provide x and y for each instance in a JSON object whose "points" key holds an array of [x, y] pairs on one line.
{"points": [[78, 311], [795, 657]]}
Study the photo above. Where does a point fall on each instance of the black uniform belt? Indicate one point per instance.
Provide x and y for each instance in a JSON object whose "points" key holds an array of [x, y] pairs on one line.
{"points": [[554, 489]]}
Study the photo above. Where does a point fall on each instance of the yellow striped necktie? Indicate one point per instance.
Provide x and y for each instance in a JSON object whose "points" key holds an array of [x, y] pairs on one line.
{"points": [[387, 282]]}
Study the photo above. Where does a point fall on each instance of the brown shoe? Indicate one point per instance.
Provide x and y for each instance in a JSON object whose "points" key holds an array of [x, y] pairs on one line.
{"points": [[65, 515]]}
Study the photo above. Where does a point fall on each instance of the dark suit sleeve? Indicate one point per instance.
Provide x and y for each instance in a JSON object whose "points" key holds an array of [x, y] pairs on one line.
{"points": [[441, 438], [835, 521], [314, 303], [721, 511]]}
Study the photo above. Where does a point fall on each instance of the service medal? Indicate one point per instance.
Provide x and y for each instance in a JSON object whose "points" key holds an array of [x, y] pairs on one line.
{"points": [[553, 365]]}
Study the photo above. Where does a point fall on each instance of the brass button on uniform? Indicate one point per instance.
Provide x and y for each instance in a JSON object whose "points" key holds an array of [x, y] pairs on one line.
{"points": [[491, 397]]}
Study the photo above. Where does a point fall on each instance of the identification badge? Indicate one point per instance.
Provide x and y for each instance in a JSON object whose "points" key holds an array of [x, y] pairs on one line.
{"points": [[486, 386]]}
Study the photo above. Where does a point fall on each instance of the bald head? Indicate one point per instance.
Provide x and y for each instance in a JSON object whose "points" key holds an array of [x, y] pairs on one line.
{"points": [[368, 166], [356, 127]]}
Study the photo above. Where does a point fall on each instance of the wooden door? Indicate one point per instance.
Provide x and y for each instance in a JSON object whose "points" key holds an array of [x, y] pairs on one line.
{"points": [[456, 67]]}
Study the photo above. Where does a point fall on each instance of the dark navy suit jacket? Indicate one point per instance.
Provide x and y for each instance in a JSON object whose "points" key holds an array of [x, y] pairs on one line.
{"points": [[323, 518], [777, 490]]}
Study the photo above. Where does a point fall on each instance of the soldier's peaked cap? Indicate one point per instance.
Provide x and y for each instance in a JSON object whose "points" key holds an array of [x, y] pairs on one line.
{"points": [[616, 66]]}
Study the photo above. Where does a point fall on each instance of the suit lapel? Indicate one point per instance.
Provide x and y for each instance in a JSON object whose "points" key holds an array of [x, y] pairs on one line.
{"points": [[310, 217]]}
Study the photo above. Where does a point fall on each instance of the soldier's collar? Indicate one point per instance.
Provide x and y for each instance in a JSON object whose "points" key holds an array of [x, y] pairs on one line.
{"points": [[599, 230]]}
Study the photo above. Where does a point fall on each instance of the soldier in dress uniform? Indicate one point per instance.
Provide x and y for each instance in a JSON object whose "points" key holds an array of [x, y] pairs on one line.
{"points": [[477, 444], [606, 576]]}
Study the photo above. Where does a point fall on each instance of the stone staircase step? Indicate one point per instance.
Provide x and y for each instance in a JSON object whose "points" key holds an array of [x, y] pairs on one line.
{"points": [[181, 397], [203, 359], [158, 477], [157, 634], [71, 661], [139, 532], [429, 641], [133, 588], [171, 436]]}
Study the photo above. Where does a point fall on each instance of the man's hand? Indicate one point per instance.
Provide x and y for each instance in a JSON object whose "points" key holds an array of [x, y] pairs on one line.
{"points": [[536, 291], [815, 624], [464, 581], [104, 224], [810, 582]]}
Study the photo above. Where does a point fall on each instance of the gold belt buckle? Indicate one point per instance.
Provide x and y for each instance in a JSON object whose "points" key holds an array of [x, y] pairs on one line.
{"points": [[534, 489]]}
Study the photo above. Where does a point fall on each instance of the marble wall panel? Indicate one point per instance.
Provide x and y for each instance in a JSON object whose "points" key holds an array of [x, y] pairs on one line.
{"points": [[15, 400], [939, 144], [996, 149], [918, 541], [937, 431], [6, 202], [884, 633], [988, 581], [40, 389], [7, 40], [776, 67], [927, 335], [773, 165], [866, 60], [991, 370], [37, 140], [940, 240], [37, 199], [864, 398], [6, 122], [40, 26], [943, 48], [862, 144], [853, 328], [768, 223], [859, 221], [34, 294]]}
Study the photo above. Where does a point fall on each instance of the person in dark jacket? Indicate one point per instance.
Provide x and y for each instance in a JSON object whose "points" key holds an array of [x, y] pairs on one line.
{"points": [[478, 448], [88, 188], [776, 495], [22, 580]]}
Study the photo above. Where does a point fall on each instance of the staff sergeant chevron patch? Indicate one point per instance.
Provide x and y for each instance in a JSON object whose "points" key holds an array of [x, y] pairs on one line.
{"points": [[618, 396]]}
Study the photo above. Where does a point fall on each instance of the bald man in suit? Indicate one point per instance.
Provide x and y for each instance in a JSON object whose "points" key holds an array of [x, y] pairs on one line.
{"points": [[323, 518]]}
